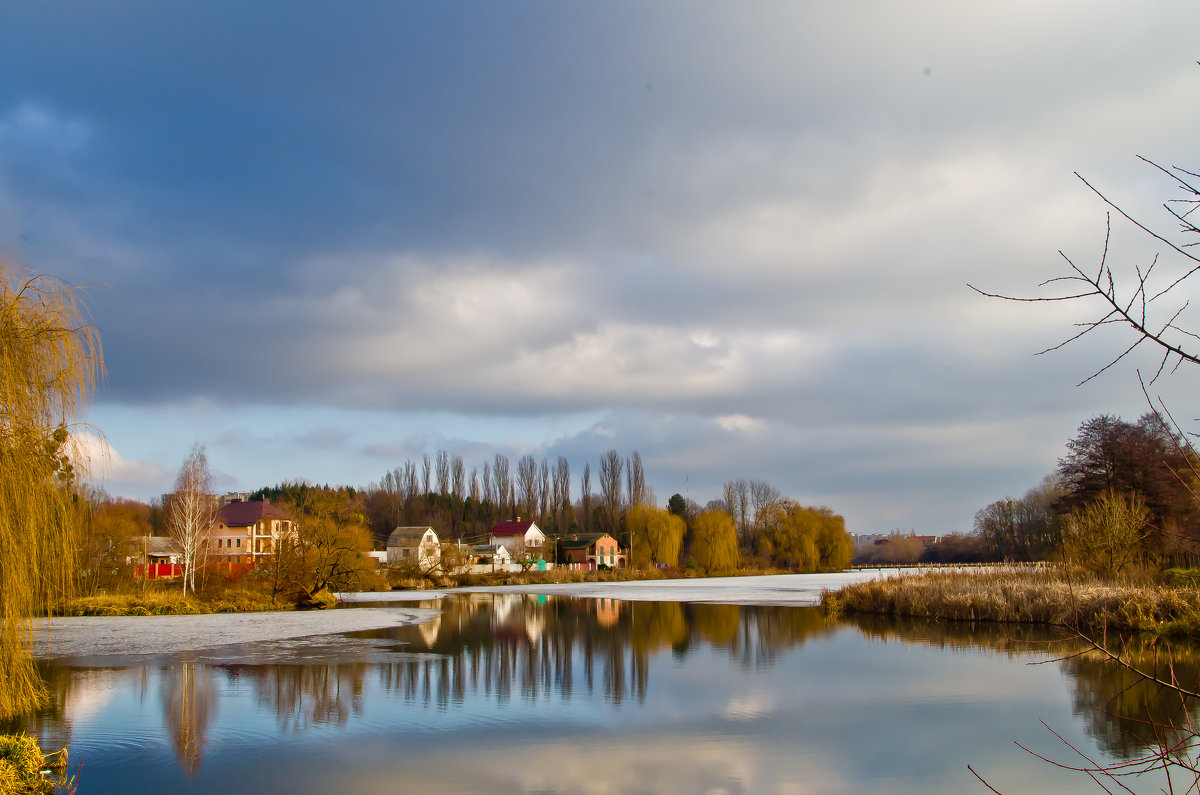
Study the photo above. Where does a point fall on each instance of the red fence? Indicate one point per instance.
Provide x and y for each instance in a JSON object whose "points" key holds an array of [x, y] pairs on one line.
{"points": [[159, 571], [167, 571]]}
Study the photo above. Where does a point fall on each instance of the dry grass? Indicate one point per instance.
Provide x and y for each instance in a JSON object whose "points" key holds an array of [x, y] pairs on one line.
{"points": [[1050, 596], [22, 763], [163, 603]]}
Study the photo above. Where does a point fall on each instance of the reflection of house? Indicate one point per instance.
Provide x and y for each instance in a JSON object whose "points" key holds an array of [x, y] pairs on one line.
{"points": [[593, 550], [245, 531], [517, 537], [414, 546], [608, 612]]}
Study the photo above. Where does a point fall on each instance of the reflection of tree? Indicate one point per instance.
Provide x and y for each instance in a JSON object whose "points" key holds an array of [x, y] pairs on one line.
{"points": [[517, 646], [189, 701], [1122, 710], [51, 724], [303, 696], [1116, 704]]}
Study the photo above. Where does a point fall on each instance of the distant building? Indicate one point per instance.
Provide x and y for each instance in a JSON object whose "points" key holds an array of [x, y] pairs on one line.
{"points": [[517, 537], [592, 550], [414, 546], [246, 531]]}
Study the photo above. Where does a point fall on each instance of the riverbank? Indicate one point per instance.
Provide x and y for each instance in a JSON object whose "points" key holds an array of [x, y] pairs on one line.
{"points": [[1051, 596]]}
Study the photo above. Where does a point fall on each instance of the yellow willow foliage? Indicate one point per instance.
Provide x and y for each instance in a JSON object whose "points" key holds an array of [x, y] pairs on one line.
{"points": [[49, 362], [805, 539], [714, 543], [657, 534]]}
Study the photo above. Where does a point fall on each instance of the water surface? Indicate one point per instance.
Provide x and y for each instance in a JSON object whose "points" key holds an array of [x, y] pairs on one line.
{"points": [[533, 693]]}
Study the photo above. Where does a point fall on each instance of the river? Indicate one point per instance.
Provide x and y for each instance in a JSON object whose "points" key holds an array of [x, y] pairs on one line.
{"points": [[739, 689]]}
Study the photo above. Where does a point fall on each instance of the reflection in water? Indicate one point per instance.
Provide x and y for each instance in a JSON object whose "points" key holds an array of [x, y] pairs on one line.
{"points": [[188, 702], [304, 696], [510, 646], [533, 651], [1122, 710]]}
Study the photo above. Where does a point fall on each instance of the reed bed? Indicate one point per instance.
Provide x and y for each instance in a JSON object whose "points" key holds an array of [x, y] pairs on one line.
{"points": [[161, 603], [1050, 596]]}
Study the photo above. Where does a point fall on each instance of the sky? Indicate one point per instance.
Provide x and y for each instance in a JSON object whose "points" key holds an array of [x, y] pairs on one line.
{"points": [[322, 239]]}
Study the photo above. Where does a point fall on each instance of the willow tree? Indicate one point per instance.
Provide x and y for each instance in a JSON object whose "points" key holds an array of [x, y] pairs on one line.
{"points": [[657, 534], [714, 543], [49, 362]]}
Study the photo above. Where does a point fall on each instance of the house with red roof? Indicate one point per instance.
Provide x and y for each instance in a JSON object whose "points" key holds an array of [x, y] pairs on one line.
{"points": [[517, 537], [246, 531]]}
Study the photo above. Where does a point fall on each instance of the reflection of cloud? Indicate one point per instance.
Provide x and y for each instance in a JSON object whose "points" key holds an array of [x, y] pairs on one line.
{"points": [[748, 706], [662, 763], [90, 691]]}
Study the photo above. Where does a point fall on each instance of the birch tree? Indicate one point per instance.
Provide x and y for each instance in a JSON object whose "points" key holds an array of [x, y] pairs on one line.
{"points": [[192, 512]]}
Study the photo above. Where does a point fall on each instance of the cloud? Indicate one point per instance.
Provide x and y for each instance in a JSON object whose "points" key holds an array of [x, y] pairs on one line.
{"points": [[744, 240], [101, 461]]}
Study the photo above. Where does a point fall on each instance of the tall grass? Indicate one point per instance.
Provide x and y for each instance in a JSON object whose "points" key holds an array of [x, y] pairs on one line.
{"points": [[163, 603], [1054, 596]]}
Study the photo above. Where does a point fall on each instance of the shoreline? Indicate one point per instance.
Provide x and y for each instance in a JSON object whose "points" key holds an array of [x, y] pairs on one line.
{"points": [[800, 590]]}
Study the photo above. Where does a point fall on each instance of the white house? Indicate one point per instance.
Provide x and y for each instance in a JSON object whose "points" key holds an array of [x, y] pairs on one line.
{"points": [[414, 546], [517, 537]]}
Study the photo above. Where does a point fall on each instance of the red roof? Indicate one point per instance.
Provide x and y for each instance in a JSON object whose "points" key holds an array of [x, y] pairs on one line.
{"points": [[244, 514], [508, 529]]}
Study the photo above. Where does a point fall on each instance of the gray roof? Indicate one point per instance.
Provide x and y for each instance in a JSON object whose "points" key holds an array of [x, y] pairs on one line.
{"points": [[159, 545], [408, 536]]}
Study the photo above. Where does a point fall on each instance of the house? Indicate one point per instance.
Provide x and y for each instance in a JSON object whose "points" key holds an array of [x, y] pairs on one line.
{"points": [[517, 537], [156, 557], [158, 549], [414, 546], [245, 531], [592, 550]]}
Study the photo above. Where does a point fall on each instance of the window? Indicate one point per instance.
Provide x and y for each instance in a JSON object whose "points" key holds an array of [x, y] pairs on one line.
{"points": [[239, 543]]}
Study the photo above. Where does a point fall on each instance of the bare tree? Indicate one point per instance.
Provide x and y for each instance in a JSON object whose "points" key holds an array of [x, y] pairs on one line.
{"points": [[562, 494], [1139, 299], [426, 475], [736, 494], [543, 489], [762, 497], [503, 483], [192, 512], [585, 498], [635, 481], [457, 477], [527, 485], [1148, 301], [611, 465], [443, 472]]}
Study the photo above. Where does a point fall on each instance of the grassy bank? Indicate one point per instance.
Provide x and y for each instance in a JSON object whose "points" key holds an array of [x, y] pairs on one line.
{"points": [[166, 603], [22, 763], [1049, 596]]}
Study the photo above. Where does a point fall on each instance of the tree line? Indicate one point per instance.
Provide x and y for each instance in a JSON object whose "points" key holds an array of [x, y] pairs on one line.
{"points": [[1123, 496]]}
